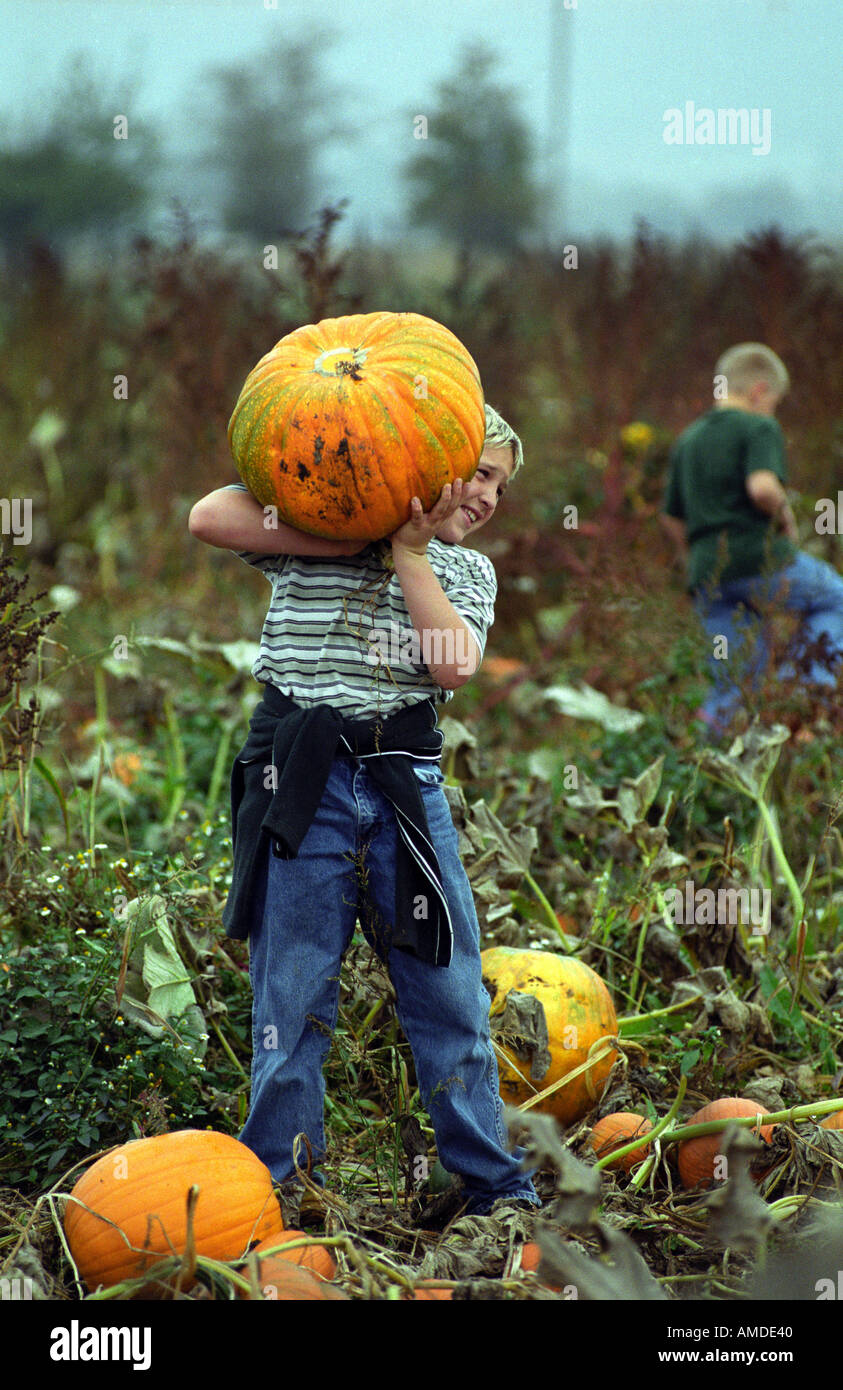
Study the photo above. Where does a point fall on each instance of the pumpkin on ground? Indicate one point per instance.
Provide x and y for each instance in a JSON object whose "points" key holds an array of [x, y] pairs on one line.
{"points": [[344, 421], [293, 1283], [697, 1157], [530, 1260], [317, 1258], [422, 1293], [548, 1011], [614, 1131], [531, 1257], [135, 1204], [833, 1121]]}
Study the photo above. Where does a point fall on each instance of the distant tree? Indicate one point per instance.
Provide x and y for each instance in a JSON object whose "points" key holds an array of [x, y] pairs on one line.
{"points": [[267, 125], [472, 170], [85, 167]]}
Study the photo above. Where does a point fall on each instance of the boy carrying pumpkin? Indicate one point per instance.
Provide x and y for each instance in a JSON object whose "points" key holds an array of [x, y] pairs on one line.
{"points": [[339, 811]]}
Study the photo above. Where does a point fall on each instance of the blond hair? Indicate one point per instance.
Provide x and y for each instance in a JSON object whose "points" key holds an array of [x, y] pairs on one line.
{"points": [[499, 434], [746, 364]]}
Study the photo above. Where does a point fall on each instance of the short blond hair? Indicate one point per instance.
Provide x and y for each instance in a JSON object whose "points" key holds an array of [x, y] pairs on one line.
{"points": [[499, 434], [746, 364]]}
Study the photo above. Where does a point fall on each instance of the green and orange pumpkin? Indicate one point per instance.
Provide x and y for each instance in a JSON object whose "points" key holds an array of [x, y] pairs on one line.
{"points": [[344, 421], [579, 1015]]}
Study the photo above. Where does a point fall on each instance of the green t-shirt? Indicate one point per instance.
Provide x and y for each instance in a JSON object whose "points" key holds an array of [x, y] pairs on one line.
{"points": [[728, 536]]}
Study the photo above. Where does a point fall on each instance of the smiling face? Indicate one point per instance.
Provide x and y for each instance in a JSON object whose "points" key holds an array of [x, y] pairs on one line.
{"points": [[481, 495]]}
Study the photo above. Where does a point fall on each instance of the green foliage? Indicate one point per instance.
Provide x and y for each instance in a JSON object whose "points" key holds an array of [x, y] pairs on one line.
{"points": [[472, 172], [72, 174], [268, 124], [76, 1076], [124, 796]]}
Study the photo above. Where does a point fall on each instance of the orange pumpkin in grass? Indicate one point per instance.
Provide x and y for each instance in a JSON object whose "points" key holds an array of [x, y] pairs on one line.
{"points": [[697, 1157], [423, 1294], [317, 1258], [289, 1282], [530, 1260], [617, 1129], [531, 1257], [833, 1121], [344, 421], [579, 1013], [130, 1207]]}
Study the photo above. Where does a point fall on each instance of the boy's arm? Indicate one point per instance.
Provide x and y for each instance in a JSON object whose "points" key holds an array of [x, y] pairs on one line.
{"points": [[428, 605], [767, 494], [233, 520]]}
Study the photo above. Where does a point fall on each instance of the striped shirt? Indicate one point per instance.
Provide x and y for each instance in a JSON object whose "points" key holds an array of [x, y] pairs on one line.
{"points": [[338, 631]]}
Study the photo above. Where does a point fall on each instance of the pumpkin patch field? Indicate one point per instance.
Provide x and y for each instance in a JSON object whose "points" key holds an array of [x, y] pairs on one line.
{"points": [[661, 916]]}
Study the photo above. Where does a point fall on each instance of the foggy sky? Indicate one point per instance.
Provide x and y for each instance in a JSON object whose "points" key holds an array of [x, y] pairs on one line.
{"points": [[598, 119]]}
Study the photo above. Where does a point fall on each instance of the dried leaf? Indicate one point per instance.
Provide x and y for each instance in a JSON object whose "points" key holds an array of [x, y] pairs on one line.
{"points": [[809, 1265], [514, 848], [577, 1191], [459, 753], [522, 1028], [740, 1219], [741, 1022], [588, 797], [750, 760], [625, 1278], [636, 795], [585, 703], [476, 1245]]}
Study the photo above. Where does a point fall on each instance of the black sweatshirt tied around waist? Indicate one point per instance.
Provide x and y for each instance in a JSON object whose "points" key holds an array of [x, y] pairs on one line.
{"points": [[297, 746]]}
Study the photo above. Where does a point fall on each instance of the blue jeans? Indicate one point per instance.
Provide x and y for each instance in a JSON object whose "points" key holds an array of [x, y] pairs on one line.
{"points": [[808, 587], [300, 931]]}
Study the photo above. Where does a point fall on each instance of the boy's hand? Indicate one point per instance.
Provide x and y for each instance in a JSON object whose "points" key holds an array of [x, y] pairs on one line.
{"points": [[417, 533]]}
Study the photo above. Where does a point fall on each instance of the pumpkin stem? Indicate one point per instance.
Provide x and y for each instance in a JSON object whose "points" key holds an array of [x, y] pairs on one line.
{"points": [[351, 360]]}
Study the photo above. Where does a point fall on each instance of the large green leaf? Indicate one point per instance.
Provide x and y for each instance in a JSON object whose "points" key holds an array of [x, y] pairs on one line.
{"points": [[158, 983]]}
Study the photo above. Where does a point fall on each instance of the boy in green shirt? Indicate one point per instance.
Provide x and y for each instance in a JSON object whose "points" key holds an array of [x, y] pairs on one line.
{"points": [[727, 511]]}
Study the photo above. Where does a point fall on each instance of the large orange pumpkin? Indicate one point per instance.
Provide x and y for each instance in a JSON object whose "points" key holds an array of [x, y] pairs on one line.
{"points": [[137, 1196], [578, 1011], [344, 421], [833, 1121], [696, 1157]]}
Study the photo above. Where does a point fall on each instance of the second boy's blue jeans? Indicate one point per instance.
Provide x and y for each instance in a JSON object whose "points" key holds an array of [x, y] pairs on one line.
{"points": [[809, 587], [300, 931]]}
